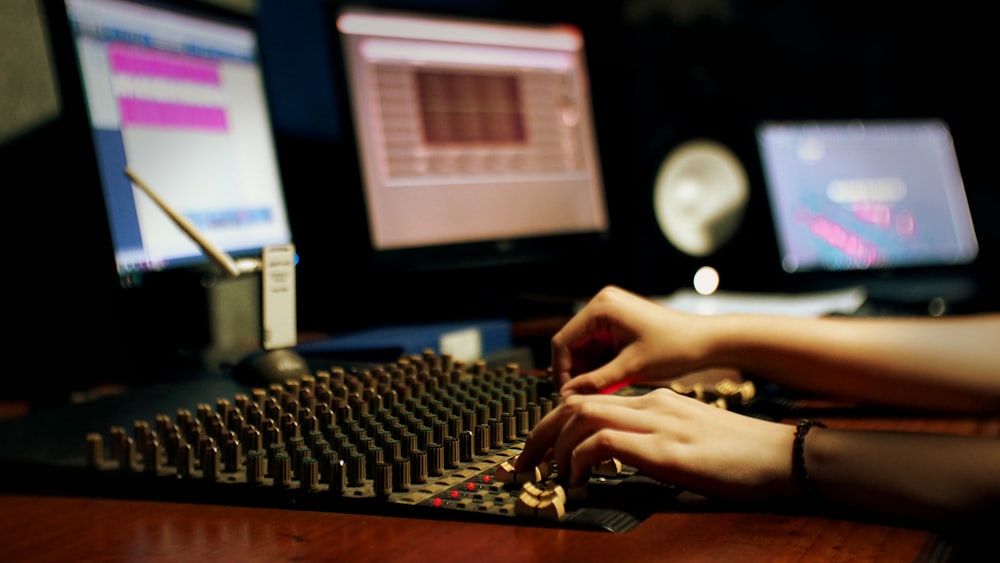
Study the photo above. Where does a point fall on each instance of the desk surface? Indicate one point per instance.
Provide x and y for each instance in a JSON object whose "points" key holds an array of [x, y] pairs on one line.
{"points": [[63, 529], [71, 528]]}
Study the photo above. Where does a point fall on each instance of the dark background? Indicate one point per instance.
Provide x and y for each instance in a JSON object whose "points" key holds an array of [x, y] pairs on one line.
{"points": [[661, 72]]}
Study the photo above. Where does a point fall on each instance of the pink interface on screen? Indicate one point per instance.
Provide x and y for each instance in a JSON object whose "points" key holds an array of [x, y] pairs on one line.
{"points": [[127, 59], [164, 114], [840, 237]]}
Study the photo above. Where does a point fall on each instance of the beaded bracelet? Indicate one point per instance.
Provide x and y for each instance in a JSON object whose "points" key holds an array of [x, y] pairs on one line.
{"points": [[799, 454]]}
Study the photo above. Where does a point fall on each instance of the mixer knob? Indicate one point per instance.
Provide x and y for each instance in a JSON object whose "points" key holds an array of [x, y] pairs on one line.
{"points": [[346, 450], [508, 403], [309, 478], [608, 468], [301, 452], [313, 437], [451, 452], [548, 502], [140, 432], [424, 437], [326, 459], [356, 469], [273, 450], [126, 454], [418, 466], [466, 443], [211, 465], [401, 474], [255, 467], [172, 437], [374, 455], [290, 428], [482, 413], [151, 455], [482, 442], [454, 425], [496, 409], [440, 431], [546, 406], [509, 428], [435, 459], [496, 433], [272, 434], [468, 419], [383, 479], [521, 421], [185, 459], [324, 415], [338, 477], [393, 449], [281, 469], [258, 397], [233, 458], [338, 439], [408, 441], [253, 439], [95, 450]]}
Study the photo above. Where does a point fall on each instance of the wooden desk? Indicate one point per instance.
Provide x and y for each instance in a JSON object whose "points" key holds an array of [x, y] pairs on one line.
{"points": [[73, 529], [41, 528]]}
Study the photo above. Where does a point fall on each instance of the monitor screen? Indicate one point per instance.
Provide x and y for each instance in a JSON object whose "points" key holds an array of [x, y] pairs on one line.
{"points": [[475, 138], [866, 195], [174, 92]]}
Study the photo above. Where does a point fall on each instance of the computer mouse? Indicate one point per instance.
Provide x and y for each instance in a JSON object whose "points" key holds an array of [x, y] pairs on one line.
{"points": [[271, 366]]}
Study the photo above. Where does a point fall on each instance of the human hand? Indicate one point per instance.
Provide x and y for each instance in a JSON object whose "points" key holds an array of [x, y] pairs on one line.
{"points": [[674, 439], [620, 337]]}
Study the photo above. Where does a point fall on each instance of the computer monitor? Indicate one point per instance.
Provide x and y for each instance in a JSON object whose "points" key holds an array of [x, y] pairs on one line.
{"points": [[867, 201], [855, 195], [475, 139], [174, 91]]}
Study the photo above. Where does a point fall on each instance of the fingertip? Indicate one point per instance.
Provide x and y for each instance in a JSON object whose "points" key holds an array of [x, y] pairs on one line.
{"points": [[579, 385], [518, 464], [563, 377]]}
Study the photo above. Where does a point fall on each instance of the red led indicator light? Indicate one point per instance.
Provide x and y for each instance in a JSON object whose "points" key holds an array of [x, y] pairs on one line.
{"points": [[487, 478], [437, 502], [454, 494], [470, 486]]}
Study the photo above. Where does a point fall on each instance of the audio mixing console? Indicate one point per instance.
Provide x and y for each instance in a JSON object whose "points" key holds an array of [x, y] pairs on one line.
{"points": [[424, 436]]}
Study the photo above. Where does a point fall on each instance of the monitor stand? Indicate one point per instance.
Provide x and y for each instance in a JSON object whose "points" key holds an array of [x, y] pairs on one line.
{"points": [[234, 320], [921, 292]]}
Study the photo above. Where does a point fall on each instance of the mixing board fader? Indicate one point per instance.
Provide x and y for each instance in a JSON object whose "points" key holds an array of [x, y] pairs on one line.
{"points": [[423, 436]]}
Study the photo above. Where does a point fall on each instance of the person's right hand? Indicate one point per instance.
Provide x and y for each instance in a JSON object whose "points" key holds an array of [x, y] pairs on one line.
{"points": [[619, 337], [674, 439]]}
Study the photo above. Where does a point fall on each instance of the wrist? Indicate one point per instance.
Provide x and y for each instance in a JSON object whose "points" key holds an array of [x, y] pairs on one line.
{"points": [[776, 480], [730, 340], [713, 340]]}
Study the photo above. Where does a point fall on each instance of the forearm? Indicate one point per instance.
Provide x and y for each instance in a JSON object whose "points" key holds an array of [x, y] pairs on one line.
{"points": [[941, 365], [927, 477]]}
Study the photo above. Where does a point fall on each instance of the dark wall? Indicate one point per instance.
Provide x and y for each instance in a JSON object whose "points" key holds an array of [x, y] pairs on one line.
{"points": [[719, 75]]}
